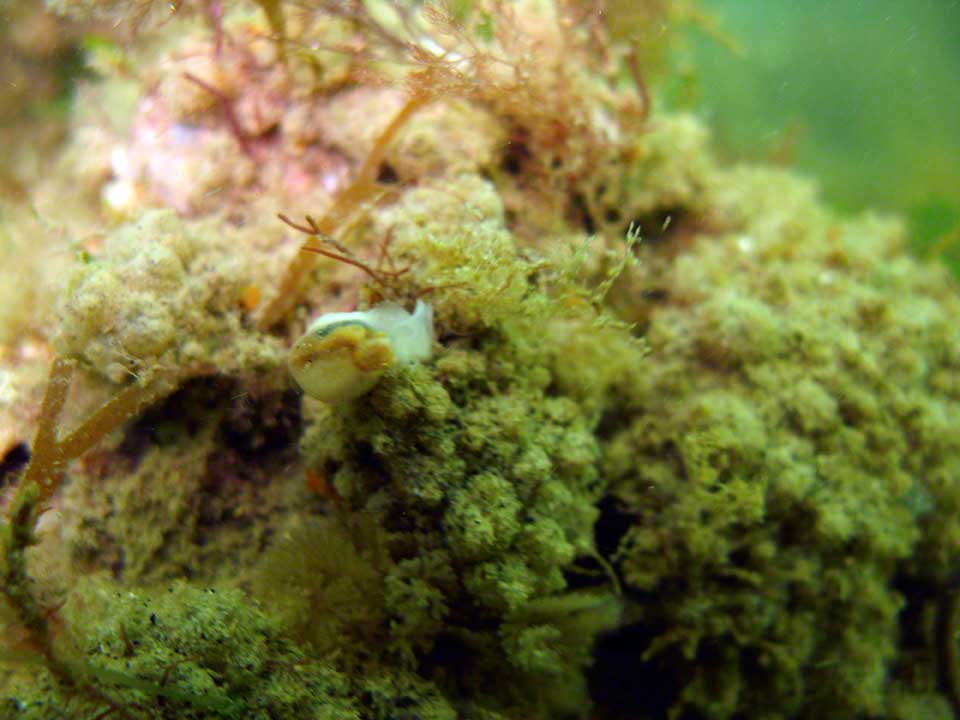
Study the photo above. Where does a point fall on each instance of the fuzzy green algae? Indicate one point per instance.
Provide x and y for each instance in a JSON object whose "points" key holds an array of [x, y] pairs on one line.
{"points": [[685, 447], [796, 458]]}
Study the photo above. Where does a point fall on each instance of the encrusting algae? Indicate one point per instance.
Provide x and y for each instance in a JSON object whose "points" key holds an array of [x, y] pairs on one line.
{"points": [[604, 428]]}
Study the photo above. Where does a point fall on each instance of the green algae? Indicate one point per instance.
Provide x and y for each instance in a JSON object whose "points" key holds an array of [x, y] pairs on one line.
{"points": [[683, 431]]}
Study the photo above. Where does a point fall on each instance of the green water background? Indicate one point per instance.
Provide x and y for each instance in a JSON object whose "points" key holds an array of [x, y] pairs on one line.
{"points": [[862, 95]]}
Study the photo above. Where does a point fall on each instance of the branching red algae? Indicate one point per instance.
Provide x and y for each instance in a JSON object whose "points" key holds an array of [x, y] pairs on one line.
{"points": [[363, 188]]}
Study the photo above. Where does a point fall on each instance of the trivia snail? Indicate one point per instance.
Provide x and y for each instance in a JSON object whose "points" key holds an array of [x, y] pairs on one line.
{"points": [[342, 355]]}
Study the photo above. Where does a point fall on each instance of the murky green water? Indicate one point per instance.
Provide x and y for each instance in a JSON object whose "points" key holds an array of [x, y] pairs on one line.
{"points": [[864, 96]]}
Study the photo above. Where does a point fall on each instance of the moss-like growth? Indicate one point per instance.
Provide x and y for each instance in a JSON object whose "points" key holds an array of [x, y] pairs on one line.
{"points": [[480, 466], [325, 585], [786, 466], [173, 296], [684, 445], [185, 651]]}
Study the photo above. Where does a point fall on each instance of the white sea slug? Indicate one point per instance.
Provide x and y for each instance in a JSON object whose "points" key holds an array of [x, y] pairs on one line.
{"points": [[343, 355]]}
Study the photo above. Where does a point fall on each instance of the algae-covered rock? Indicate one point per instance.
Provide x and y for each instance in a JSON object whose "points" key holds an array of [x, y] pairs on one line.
{"points": [[681, 444], [198, 652], [779, 485], [481, 472], [162, 296]]}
